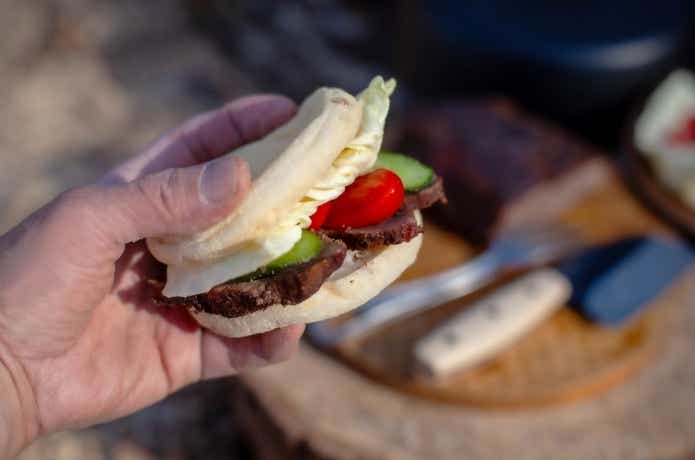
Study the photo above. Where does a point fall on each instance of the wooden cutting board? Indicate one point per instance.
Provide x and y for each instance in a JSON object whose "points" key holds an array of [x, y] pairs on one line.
{"points": [[563, 359], [362, 404]]}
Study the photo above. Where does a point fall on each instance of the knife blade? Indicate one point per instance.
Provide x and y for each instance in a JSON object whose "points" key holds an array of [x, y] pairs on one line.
{"points": [[613, 282]]}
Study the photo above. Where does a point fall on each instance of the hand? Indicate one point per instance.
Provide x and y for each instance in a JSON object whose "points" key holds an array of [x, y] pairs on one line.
{"points": [[80, 340]]}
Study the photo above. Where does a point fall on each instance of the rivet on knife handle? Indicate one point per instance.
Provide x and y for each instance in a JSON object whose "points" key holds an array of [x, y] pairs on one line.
{"points": [[492, 323]]}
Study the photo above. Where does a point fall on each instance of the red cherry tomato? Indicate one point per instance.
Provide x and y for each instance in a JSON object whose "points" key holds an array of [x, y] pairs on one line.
{"points": [[319, 216], [685, 134], [371, 199]]}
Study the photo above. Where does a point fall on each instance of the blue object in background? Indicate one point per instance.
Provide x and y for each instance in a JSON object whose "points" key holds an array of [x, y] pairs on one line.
{"points": [[583, 35], [614, 282], [582, 63]]}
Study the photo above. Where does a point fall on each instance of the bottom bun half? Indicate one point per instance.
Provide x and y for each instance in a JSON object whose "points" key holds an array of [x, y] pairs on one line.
{"points": [[352, 287]]}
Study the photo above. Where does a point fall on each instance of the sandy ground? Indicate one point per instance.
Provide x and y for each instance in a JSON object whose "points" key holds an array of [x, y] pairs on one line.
{"points": [[84, 84]]}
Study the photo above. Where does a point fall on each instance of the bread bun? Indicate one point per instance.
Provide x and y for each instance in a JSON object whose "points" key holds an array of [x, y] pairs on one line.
{"points": [[284, 165], [333, 139]]}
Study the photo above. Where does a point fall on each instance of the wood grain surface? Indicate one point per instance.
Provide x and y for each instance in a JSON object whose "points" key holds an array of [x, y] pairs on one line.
{"points": [[564, 359], [323, 408]]}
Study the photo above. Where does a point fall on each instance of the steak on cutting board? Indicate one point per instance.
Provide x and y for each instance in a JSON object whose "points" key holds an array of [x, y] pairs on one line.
{"points": [[502, 167]]}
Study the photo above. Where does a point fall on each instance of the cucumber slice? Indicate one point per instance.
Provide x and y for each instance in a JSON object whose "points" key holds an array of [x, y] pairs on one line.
{"points": [[308, 247], [414, 175]]}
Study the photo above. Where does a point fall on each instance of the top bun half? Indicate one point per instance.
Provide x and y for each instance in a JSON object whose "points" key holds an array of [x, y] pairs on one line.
{"points": [[284, 165]]}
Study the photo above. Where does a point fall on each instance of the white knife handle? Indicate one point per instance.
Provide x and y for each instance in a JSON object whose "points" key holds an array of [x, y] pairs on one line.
{"points": [[492, 323]]}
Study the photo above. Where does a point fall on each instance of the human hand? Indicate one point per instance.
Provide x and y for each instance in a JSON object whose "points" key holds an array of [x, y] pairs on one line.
{"points": [[80, 340]]}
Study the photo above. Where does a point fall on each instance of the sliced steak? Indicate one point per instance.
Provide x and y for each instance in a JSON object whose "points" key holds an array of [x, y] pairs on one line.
{"points": [[400, 228], [426, 197], [288, 286]]}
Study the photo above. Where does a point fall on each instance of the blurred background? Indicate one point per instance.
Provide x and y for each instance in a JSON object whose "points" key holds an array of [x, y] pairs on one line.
{"points": [[86, 83]]}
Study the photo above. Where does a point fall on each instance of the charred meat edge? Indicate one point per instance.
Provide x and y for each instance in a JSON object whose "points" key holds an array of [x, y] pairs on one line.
{"points": [[288, 286], [398, 229], [426, 197]]}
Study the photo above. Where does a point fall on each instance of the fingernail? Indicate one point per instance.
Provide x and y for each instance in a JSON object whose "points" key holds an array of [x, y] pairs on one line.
{"points": [[218, 182]]}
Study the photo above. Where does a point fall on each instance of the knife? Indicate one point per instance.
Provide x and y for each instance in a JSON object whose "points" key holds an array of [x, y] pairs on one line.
{"points": [[608, 284]]}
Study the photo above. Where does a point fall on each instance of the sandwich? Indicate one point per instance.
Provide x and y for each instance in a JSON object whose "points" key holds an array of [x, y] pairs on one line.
{"points": [[329, 222]]}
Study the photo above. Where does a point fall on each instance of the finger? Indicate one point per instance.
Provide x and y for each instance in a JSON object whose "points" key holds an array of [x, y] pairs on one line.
{"points": [[172, 202], [208, 136], [222, 356]]}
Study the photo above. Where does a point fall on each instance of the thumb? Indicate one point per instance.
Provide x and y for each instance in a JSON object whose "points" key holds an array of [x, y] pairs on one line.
{"points": [[174, 201]]}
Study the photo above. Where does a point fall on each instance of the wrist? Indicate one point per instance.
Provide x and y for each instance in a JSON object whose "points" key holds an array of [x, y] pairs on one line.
{"points": [[16, 414]]}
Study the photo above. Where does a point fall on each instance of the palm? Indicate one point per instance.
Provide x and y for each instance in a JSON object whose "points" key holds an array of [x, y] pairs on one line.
{"points": [[129, 354]]}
